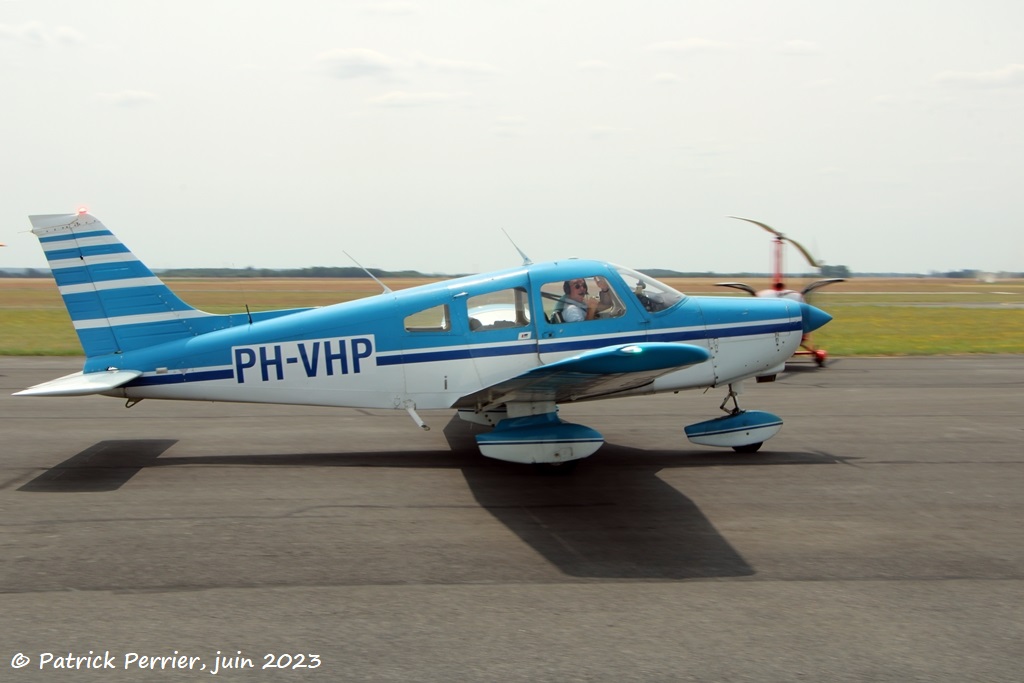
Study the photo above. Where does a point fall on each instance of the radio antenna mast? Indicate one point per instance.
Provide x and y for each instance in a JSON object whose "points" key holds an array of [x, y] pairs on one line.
{"points": [[387, 290], [526, 259]]}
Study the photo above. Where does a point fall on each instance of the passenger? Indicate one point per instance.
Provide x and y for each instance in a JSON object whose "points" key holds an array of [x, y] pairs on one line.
{"points": [[652, 303], [578, 306]]}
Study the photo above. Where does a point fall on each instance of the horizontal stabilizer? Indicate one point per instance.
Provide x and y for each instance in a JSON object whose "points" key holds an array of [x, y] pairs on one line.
{"points": [[82, 384]]}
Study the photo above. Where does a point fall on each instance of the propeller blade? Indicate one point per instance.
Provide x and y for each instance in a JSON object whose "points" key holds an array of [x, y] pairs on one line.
{"points": [[760, 224], [821, 283], [738, 285], [807, 255]]}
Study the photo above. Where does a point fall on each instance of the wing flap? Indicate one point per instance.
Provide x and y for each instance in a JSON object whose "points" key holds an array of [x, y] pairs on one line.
{"points": [[82, 384], [599, 372]]}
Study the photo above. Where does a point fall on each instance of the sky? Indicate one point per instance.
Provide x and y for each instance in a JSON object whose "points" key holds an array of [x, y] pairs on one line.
{"points": [[883, 136]]}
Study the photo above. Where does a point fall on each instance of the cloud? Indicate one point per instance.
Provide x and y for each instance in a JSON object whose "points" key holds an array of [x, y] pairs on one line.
{"points": [[387, 8], [352, 63], [37, 33], [604, 132], [798, 48], [1009, 76], [400, 99], [690, 46], [594, 65], [821, 84], [457, 67], [349, 63], [666, 78], [31, 33], [127, 98], [509, 126]]}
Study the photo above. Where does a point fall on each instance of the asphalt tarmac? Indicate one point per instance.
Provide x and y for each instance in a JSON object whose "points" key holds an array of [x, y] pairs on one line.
{"points": [[878, 537]]}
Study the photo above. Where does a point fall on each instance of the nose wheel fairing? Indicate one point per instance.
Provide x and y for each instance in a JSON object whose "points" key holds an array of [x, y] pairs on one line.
{"points": [[738, 430], [741, 430]]}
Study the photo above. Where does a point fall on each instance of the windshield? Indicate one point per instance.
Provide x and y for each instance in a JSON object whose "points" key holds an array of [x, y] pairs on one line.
{"points": [[653, 295]]}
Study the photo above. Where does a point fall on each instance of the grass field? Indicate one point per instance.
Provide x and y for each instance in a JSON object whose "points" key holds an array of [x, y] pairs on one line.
{"points": [[872, 316]]}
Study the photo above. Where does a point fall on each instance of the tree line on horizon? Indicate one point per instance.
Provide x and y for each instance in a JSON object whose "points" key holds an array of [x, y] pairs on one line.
{"points": [[339, 272]]}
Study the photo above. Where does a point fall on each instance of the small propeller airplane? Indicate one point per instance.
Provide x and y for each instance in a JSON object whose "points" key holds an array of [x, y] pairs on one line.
{"points": [[504, 349], [778, 288]]}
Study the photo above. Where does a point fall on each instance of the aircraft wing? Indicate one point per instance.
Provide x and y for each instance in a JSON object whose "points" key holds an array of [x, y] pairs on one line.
{"points": [[595, 373], [82, 384]]}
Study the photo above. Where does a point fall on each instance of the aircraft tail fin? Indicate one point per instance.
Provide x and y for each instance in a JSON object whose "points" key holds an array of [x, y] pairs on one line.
{"points": [[115, 301]]}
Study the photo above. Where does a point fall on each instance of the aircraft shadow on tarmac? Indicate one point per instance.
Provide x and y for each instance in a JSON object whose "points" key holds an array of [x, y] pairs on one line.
{"points": [[612, 518], [104, 466], [607, 523]]}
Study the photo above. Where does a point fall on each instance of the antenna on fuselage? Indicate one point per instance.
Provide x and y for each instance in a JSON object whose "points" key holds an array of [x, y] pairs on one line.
{"points": [[526, 259], [387, 290]]}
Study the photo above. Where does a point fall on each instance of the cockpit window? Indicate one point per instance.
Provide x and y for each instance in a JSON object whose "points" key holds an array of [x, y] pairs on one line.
{"points": [[580, 298], [654, 296]]}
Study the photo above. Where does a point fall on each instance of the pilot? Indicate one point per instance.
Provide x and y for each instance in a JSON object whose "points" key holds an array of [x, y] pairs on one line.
{"points": [[578, 306]]}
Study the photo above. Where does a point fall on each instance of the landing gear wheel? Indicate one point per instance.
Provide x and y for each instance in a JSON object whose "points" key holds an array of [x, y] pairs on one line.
{"points": [[749, 448], [555, 469]]}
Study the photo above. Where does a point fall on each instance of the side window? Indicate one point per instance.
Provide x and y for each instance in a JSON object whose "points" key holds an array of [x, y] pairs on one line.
{"points": [[434, 319], [499, 310], [580, 298]]}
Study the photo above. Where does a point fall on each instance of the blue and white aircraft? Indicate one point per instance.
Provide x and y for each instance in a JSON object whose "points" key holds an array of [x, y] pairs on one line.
{"points": [[504, 349]]}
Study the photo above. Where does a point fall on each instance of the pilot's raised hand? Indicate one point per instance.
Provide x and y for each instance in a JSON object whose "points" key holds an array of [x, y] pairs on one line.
{"points": [[604, 301]]}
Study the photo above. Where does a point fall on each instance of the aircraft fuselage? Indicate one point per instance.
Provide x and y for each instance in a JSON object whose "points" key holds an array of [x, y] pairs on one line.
{"points": [[420, 345]]}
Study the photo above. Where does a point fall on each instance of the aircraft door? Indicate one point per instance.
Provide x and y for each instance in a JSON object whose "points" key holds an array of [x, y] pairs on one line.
{"points": [[584, 313], [502, 333]]}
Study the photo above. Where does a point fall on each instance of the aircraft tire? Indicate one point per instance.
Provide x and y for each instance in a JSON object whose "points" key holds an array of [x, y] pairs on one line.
{"points": [[749, 448], [555, 469]]}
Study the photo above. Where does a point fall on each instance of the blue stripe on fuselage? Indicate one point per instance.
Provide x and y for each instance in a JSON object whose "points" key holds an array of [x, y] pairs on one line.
{"points": [[427, 355], [179, 378], [458, 353], [718, 333]]}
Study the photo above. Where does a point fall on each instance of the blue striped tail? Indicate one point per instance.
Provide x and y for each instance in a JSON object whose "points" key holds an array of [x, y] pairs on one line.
{"points": [[115, 301]]}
